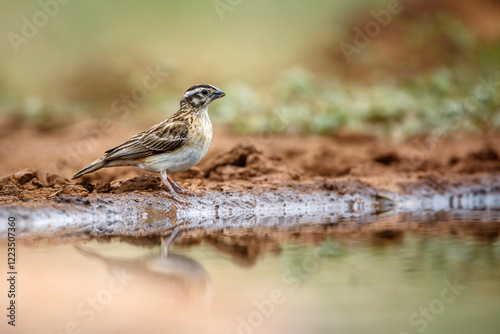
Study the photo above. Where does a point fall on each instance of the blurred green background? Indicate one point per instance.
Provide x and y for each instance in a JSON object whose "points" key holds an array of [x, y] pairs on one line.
{"points": [[433, 65]]}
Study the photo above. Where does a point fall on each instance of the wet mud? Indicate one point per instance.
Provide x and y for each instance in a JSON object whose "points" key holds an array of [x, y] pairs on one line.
{"points": [[139, 215], [244, 182]]}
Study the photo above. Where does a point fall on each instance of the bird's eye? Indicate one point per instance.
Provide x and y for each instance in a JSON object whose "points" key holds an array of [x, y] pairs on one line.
{"points": [[204, 92]]}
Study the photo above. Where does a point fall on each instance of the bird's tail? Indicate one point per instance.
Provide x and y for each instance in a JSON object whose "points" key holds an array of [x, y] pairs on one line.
{"points": [[93, 167]]}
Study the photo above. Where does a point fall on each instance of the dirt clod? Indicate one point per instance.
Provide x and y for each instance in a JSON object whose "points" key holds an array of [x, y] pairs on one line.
{"points": [[237, 156], [74, 190], [87, 185], [103, 187], [485, 154], [387, 159], [25, 176], [245, 161], [11, 189], [56, 180], [140, 183]]}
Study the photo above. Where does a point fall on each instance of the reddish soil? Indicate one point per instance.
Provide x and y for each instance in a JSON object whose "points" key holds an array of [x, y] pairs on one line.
{"points": [[37, 165]]}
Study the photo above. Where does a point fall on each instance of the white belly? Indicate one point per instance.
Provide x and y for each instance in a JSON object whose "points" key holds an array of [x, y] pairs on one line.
{"points": [[173, 162]]}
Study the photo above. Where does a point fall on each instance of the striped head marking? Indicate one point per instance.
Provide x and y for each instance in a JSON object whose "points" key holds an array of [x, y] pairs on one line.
{"points": [[200, 96]]}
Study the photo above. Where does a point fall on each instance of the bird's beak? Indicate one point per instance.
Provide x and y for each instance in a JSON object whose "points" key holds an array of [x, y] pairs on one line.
{"points": [[217, 94]]}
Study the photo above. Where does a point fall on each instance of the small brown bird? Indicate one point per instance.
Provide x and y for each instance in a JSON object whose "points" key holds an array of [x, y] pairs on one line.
{"points": [[174, 145]]}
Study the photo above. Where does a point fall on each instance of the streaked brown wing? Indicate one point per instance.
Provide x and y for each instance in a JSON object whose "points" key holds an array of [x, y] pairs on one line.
{"points": [[166, 138], [129, 142], [162, 138]]}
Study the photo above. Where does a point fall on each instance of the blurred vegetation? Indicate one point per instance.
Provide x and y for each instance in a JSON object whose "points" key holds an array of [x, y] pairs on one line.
{"points": [[301, 103], [279, 63]]}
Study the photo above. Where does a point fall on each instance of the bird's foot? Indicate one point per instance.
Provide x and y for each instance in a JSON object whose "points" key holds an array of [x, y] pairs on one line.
{"points": [[187, 192], [183, 201], [174, 189], [177, 198], [180, 190]]}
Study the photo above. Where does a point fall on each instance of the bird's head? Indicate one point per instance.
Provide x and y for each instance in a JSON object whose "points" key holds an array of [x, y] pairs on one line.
{"points": [[200, 96]]}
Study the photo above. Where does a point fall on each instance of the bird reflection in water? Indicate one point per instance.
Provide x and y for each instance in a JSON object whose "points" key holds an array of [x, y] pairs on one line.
{"points": [[173, 278]]}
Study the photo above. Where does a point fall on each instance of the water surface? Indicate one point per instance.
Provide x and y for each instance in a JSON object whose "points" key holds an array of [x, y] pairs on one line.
{"points": [[434, 272]]}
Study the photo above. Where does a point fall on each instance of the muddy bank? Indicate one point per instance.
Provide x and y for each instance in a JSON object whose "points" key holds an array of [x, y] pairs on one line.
{"points": [[250, 181], [139, 214], [39, 171]]}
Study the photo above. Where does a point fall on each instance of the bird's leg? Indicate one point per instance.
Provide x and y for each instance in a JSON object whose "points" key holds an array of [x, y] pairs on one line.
{"points": [[167, 242], [166, 182], [178, 189]]}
